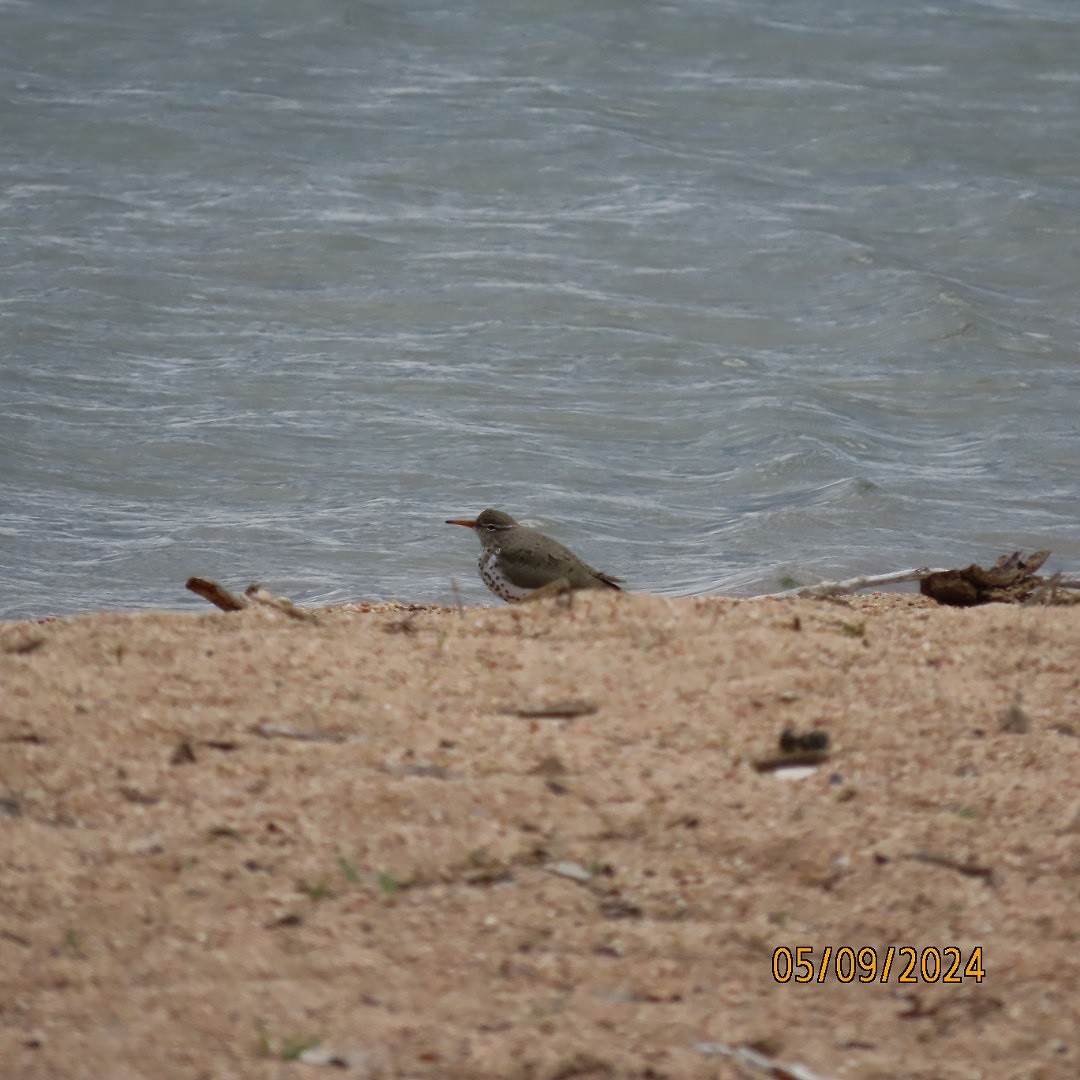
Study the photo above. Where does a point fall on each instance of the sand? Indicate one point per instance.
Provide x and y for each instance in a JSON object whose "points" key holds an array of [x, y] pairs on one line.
{"points": [[243, 845]]}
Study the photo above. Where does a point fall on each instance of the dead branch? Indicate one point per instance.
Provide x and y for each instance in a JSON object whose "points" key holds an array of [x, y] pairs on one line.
{"points": [[1011, 580], [851, 585]]}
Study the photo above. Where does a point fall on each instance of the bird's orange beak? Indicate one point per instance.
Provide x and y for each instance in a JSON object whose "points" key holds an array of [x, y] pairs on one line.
{"points": [[461, 521]]}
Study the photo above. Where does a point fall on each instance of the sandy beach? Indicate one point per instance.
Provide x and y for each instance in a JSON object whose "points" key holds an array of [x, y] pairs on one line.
{"points": [[543, 841]]}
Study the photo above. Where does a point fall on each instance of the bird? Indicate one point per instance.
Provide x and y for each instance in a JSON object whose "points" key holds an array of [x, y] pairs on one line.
{"points": [[516, 561]]}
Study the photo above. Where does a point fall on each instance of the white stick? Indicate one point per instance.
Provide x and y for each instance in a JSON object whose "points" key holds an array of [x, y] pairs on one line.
{"points": [[745, 1056], [852, 585]]}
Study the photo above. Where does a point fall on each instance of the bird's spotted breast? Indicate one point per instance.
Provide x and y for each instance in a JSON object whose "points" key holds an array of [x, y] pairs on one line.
{"points": [[497, 581]]}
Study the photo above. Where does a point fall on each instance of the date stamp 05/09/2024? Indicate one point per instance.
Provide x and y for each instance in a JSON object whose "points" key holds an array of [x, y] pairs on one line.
{"points": [[866, 965]]}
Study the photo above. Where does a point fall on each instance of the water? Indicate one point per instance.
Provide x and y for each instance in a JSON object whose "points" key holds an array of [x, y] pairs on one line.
{"points": [[718, 293]]}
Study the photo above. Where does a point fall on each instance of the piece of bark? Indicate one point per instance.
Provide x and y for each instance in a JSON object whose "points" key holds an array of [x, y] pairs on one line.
{"points": [[553, 710], [799, 758]]}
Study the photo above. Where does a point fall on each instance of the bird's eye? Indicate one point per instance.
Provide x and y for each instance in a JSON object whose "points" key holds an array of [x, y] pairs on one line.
{"points": [[490, 527]]}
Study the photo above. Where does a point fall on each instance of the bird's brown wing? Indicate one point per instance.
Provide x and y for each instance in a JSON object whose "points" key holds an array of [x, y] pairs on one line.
{"points": [[533, 570]]}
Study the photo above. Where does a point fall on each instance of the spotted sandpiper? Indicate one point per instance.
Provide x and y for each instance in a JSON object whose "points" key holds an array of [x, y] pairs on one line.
{"points": [[515, 560]]}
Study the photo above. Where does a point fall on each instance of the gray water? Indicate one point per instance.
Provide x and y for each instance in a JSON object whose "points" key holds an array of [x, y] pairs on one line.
{"points": [[719, 293]]}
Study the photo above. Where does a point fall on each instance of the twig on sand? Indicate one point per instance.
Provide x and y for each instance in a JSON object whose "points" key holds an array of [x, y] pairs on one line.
{"points": [[253, 595], [269, 731]]}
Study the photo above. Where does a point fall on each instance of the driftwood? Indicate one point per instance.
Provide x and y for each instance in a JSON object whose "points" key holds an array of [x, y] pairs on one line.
{"points": [[217, 594], [254, 595], [825, 589], [1011, 580]]}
